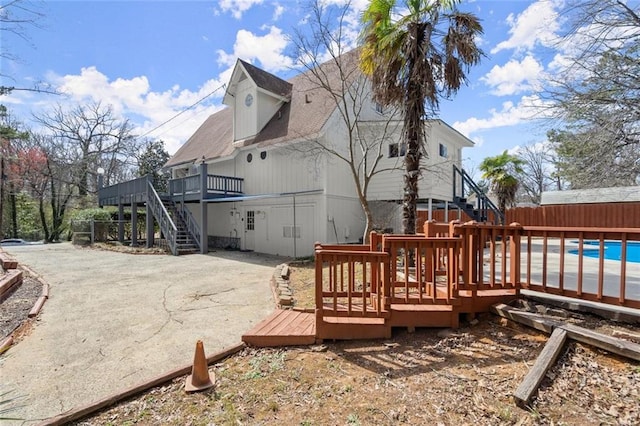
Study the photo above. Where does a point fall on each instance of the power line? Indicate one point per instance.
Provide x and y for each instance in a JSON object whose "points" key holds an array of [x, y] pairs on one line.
{"points": [[183, 111]]}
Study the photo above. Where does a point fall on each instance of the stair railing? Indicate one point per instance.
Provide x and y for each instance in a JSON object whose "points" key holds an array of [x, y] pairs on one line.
{"points": [[192, 225], [484, 203], [167, 226]]}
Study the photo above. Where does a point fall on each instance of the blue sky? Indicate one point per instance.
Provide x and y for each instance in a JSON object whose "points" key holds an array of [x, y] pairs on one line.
{"points": [[151, 59]]}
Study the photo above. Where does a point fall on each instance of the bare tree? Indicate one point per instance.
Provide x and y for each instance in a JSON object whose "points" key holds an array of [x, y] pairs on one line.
{"points": [[597, 93], [90, 137], [16, 17], [537, 171], [326, 53]]}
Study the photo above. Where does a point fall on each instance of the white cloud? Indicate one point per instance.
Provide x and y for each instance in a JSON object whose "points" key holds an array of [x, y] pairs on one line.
{"points": [[537, 24], [514, 77], [237, 7], [529, 108], [134, 99], [267, 49], [277, 12]]}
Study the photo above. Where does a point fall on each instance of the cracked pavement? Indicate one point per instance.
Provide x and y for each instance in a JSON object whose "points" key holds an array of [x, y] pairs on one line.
{"points": [[114, 320]]}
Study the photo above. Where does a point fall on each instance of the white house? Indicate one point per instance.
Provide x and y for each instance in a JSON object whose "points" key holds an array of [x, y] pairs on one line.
{"points": [[291, 196]]}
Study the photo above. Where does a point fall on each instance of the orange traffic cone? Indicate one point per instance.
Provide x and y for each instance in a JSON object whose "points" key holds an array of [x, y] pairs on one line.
{"points": [[200, 378]]}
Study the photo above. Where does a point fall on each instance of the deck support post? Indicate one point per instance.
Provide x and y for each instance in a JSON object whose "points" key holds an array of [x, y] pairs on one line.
{"points": [[149, 223], [204, 209], [120, 222], [134, 224]]}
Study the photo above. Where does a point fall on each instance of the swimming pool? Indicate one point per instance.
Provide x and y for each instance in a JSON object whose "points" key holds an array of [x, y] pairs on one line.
{"points": [[612, 250]]}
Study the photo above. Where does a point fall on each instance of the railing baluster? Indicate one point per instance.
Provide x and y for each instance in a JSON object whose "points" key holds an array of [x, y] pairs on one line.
{"points": [[561, 272], [623, 268], [580, 262], [544, 260], [601, 266]]}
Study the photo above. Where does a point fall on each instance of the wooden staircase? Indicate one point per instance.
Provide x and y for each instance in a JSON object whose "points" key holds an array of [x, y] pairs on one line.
{"points": [[185, 241]]}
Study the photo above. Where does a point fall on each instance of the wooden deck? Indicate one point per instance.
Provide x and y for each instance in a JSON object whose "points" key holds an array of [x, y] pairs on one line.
{"points": [[283, 328], [433, 279], [296, 328]]}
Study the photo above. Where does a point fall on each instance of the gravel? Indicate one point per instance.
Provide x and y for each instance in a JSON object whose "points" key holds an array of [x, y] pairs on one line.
{"points": [[14, 310]]}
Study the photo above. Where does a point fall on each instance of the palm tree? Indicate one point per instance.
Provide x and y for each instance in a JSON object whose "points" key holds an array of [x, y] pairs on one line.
{"points": [[413, 61], [502, 173]]}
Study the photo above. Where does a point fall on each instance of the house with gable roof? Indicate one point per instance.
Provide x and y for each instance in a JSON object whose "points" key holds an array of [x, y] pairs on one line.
{"points": [[247, 178]]}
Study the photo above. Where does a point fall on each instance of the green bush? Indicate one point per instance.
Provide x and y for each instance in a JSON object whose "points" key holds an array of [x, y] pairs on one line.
{"points": [[95, 214]]}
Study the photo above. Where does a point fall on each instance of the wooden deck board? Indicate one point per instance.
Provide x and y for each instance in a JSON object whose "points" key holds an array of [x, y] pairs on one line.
{"points": [[288, 324], [291, 327], [269, 325], [283, 328]]}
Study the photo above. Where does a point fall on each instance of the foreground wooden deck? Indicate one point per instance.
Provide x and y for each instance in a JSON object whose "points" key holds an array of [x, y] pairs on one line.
{"points": [[283, 327], [297, 328], [435, 279]]}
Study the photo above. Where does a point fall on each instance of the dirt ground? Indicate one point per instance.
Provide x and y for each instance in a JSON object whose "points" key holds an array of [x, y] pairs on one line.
{"points": [[15, 307], [430, 376]]}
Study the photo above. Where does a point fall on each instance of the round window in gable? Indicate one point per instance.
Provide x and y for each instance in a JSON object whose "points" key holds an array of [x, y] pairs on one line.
{"points": [[249, 157], [263, 155]]}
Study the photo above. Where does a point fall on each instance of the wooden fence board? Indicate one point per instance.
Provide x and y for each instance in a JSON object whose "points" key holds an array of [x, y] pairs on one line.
{"points": [[606, 215], [545, 361]]}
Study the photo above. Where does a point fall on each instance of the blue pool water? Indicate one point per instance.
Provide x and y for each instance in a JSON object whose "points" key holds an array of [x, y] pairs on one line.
{"points": [[612, 250]]}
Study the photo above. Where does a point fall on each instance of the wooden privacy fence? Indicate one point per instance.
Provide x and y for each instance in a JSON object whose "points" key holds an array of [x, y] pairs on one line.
{"points": [[605, 215], [609, 215]]}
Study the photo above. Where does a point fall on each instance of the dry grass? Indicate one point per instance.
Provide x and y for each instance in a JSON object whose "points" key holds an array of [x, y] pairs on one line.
{"points": [[445, 377]]}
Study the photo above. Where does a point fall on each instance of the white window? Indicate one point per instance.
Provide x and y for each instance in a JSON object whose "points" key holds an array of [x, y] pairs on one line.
{"points": [[397, 150], [289, 231], [443, 151], [250, 224]]}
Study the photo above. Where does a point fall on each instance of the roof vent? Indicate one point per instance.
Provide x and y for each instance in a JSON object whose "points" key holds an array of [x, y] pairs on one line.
{"points": [[307, 100]]}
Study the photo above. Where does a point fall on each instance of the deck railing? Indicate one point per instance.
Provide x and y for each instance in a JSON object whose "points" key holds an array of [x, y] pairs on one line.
{"points": [[191, 223], [216, 184], [422, 268], [161, 214], [224, 184], [351, 282], [364, 280], [185, 185], [489, 257], [571, 262], [125, 192]]}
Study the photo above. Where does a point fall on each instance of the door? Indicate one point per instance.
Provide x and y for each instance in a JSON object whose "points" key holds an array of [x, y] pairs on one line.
{"points": [[249, 230]]}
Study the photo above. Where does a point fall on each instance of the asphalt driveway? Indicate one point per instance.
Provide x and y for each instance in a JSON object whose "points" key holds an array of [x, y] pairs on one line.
{"points": [[114, 320]]}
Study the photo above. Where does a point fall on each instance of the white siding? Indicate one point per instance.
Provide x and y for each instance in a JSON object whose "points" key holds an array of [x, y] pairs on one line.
{"points": [[283, 170], [245, 117], [344, 220], [437, 178], [274, 221], [267, 107]]}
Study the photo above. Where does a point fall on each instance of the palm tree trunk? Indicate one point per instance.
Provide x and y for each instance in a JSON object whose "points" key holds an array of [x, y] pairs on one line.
{"points": [[413, 123]]}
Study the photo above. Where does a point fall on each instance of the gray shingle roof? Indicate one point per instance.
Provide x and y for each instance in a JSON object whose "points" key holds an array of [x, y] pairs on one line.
{"points": [[305, 114], [267, 81]]}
